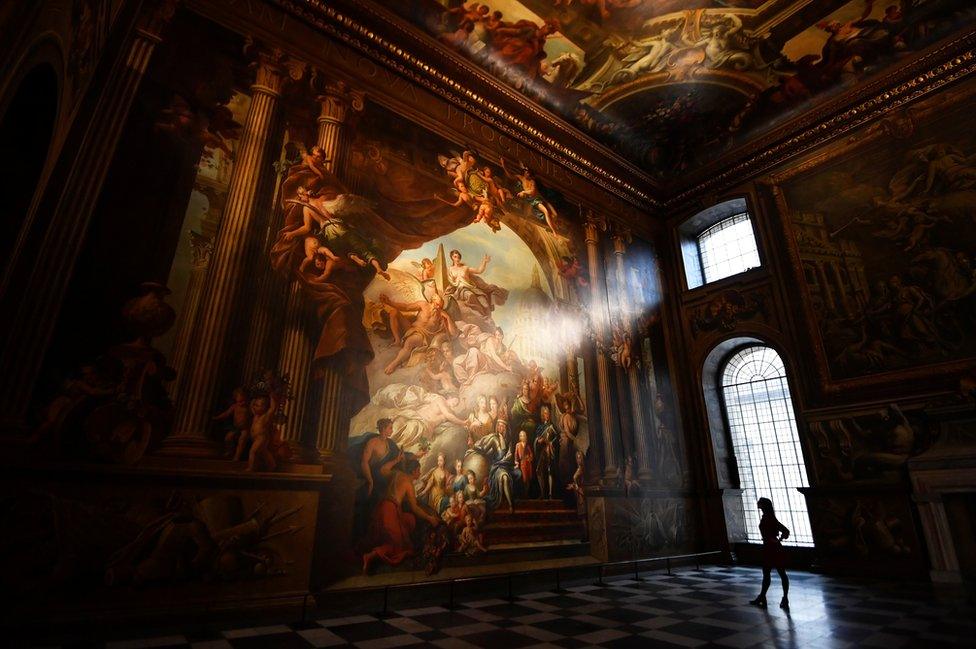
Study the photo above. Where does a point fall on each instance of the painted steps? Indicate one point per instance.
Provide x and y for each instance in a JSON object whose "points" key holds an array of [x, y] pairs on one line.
{"points": [[533, 521]]}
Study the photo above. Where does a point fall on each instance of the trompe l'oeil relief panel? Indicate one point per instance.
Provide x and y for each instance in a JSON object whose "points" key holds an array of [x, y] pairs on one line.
{"points": [[881, 228]]}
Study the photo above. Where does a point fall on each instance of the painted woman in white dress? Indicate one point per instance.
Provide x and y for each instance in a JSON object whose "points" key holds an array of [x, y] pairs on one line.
{"points": [[469, 297]]}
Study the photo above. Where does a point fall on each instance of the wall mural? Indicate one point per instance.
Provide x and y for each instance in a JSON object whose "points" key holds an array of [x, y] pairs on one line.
{"points": [[887, 261], [673, 84], [866, 446], [451, 289], [415, 314]]}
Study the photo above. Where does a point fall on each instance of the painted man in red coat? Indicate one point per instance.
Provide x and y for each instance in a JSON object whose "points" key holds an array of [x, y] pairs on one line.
{"points": [[391, 527]]}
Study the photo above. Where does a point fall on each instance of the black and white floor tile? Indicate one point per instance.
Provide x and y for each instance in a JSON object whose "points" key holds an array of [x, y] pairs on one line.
{"points": [[691, 608]]}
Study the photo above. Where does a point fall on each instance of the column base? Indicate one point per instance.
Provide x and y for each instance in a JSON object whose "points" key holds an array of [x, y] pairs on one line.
{"points": [[645, 475], [611, 478], [189, 446], [304, 454]]}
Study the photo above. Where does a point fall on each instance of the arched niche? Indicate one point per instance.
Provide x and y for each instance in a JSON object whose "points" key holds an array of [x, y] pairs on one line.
{"points": [[27, 125]]}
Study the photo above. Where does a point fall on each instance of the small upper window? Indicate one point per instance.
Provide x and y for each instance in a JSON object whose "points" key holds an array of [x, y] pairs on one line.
{"points": [[728, 248], [718, 242]]}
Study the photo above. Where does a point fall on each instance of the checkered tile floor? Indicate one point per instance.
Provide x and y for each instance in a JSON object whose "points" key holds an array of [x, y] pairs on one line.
{"points": [[690, 608]]}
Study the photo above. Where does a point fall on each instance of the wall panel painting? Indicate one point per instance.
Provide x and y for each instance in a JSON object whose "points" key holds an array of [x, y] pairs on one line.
{"points": [[882, 236]]}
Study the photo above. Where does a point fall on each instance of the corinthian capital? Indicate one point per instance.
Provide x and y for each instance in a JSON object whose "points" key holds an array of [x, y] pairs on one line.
{"points": [[593, 224], [621, 238], [335, 98], [158, 14], [272, 67]]}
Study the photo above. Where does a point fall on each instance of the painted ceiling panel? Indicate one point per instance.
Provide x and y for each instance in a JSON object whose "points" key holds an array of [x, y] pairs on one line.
{"points": [[674, 84]]}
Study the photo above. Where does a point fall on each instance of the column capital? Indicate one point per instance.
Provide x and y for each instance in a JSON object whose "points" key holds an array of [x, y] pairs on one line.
{"points": [[272, 68], [621, 238], [335, 98], [201, 247], [158, 14], [593, 224]]}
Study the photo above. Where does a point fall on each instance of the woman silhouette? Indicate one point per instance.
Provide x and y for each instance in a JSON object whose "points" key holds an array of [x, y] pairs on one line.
{"points": [[774, 556]]}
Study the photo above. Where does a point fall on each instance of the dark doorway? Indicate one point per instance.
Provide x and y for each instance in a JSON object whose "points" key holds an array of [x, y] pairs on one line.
{"points": [[26, 128]]}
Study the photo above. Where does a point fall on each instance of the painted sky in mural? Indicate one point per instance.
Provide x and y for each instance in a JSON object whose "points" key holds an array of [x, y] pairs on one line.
{"points": [[467, 369]]}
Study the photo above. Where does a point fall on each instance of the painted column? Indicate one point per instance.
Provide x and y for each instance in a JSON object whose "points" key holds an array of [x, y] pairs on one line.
{"points": [[297, 344], [31, 308], [196, 397], [592, 225], [828, 291], [638, 396], [201, 247]]}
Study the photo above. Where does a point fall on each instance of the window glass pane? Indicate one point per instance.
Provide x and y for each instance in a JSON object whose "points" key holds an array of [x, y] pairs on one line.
{"points": [[728, 248], [765, 441]]}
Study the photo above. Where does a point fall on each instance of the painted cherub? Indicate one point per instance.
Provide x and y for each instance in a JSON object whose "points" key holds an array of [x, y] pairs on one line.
{"points": [[457, 168], [631, 483], [576, 486], [469, 540], [261, 433], [571, 270], [622, 347], [604, 6], [317, 254], [486, 212], [495, 192], [240, 415], [315, 160]]}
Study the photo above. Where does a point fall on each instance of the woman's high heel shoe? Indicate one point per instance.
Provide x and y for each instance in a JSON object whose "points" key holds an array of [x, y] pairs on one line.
{"points": [[784, 604], [759, 601]]}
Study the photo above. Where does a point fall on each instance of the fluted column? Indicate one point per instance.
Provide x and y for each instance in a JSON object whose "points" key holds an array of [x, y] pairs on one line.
{"points": [[593, 224], [31, 302], [333, 416], [201, 248], [295, 359], [638, 398], [196, 397], [335, 101]]}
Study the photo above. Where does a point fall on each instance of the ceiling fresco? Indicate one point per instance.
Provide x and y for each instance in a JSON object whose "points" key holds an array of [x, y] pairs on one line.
{"points": [[674, 84]]}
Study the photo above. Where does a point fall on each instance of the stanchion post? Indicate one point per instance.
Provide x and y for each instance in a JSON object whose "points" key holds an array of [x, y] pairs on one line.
{"points": [[385, 613], [668, 561], [559, 586], [511, 598], [450, 596]]}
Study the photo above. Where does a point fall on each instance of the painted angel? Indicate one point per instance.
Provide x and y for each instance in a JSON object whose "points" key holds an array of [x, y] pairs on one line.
{"points": [[528, 191], [458, 167], [404, 288]]}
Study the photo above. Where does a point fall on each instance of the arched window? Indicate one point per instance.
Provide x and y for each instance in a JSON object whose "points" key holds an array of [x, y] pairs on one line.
{"points": [[728, 248], [718, 242], [759, 412]]}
